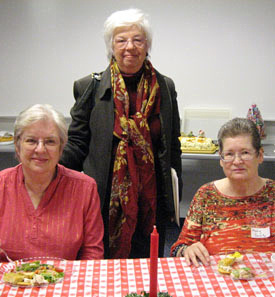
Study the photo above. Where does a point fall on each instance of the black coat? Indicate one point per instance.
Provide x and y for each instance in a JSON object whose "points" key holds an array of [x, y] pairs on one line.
{"points": [[90, 142]]}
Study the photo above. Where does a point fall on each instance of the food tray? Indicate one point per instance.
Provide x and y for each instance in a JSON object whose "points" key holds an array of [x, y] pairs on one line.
{"points": [[198, 151]]}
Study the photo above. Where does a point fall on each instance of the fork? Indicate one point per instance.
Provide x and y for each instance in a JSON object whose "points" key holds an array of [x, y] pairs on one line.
{"points": [[4, 252]]}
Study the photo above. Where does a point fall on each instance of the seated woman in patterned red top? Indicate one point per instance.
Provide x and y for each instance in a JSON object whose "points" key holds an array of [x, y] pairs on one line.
{"points": [[47, 209], [235, 213]]}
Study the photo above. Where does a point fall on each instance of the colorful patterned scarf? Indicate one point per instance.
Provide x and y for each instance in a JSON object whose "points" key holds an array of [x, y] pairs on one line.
{"points": [[133, 194]]}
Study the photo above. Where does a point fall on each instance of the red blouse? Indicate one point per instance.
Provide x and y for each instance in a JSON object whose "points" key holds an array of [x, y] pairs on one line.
{"points": [[66, 224]]}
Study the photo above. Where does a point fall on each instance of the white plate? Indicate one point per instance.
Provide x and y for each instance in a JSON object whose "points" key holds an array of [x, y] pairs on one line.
{"points": [[57, 262], [6, 142], [259, 263]]}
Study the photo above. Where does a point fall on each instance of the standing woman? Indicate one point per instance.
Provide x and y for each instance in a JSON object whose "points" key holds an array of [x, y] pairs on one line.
{"points": [[124, 133]]}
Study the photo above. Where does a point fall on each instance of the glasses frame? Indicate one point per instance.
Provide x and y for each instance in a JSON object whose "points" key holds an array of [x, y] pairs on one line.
{"points": [[123, 42], [239, 156], [32, 146]]}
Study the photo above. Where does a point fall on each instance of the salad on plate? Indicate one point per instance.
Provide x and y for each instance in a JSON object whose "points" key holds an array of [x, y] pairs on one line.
{"points": [[37, 272]]}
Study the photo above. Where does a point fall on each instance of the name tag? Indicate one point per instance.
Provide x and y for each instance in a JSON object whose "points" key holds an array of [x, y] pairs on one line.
{"points": [[260, 232]]}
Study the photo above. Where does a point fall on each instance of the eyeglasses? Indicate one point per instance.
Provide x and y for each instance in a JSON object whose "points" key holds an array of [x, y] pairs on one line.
{"points": [[49, 143], [244, 156], [121, 43]]}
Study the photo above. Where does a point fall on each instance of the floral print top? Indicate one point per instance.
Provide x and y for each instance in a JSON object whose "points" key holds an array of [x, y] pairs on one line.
{"points": [[226, 224]]}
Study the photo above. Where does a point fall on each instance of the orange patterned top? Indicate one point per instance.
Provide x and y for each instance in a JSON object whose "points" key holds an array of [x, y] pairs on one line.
{"points": [[227, 224]]}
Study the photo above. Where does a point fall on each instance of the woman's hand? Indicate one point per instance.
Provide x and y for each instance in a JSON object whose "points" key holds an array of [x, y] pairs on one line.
{"points": [[196, 251]]}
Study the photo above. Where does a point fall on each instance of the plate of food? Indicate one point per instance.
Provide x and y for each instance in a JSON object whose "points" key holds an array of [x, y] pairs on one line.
{"points": [[6, 138], [244, 267], [35, 272]]}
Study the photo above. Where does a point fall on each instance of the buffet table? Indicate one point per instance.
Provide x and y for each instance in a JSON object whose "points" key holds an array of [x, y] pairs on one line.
{"points": [[107, 278], [269, 154]]}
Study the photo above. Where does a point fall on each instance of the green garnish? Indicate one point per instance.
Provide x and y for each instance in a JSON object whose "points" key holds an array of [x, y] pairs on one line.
{"points": [[30, 266]]}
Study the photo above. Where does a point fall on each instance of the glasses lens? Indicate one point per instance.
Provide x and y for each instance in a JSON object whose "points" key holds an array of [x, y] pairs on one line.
{"points": [[139, 42], [227, 157], [120, 43], [246, 156]]}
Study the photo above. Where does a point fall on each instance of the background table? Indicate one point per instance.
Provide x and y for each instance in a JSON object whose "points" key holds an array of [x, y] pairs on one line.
{"points": [[107, 278]]}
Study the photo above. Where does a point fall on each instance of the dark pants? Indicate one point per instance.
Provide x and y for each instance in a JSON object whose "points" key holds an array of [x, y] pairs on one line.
{"points": [[141, 245]]}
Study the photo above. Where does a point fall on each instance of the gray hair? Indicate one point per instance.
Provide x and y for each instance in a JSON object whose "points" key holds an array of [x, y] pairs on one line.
{"points": [[36, 113], [126, 18], [240, 126]]}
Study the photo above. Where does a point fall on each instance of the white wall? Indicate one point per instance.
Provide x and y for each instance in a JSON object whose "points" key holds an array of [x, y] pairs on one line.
{"points": [[220, 53]]}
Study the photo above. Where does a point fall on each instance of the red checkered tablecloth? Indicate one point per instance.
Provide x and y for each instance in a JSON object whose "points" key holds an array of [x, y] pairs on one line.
{"points": [[101, 278]]}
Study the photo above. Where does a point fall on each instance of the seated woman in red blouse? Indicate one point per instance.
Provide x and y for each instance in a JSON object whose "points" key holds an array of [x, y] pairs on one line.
{"points": [[235, 213], [45, 208]]}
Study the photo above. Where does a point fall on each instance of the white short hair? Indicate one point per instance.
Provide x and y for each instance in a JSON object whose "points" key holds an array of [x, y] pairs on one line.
{"points": [[126, 18]]}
